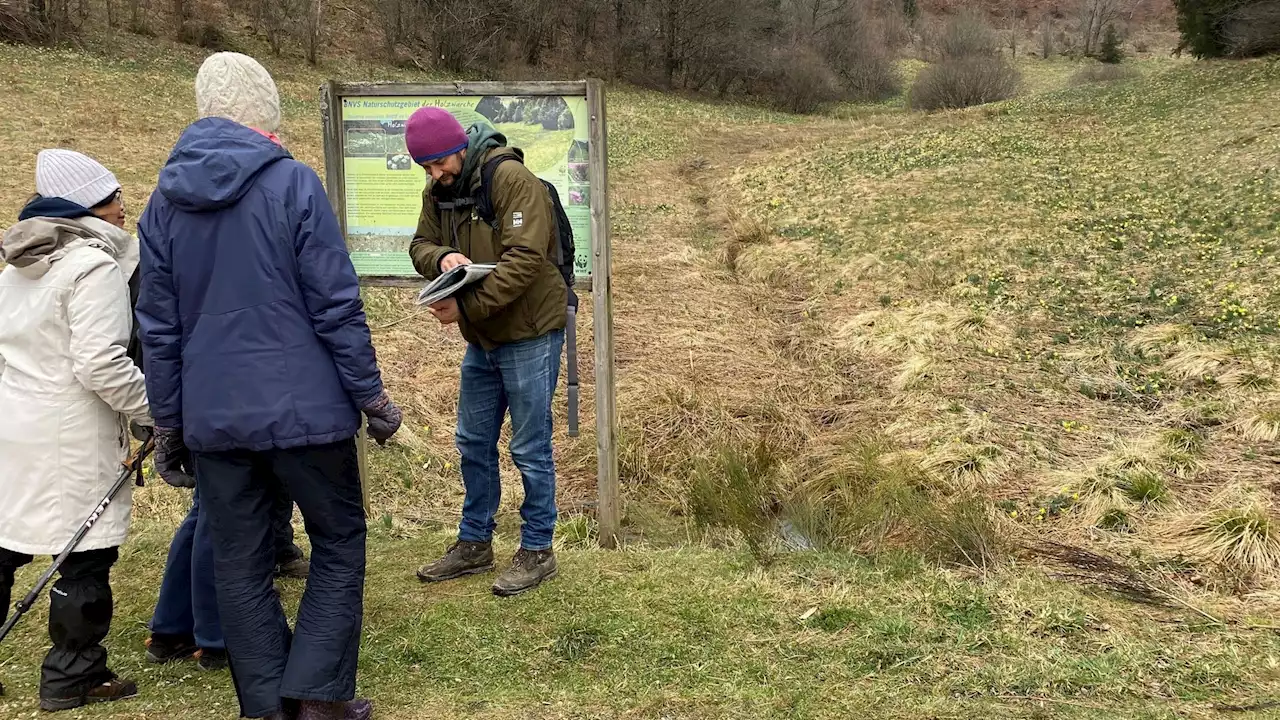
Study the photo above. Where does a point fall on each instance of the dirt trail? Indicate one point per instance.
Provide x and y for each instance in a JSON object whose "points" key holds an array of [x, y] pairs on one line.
{"points": [[703, 355]]}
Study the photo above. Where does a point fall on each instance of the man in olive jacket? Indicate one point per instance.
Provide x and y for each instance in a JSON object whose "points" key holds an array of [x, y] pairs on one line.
{"points": [[513, 322]]}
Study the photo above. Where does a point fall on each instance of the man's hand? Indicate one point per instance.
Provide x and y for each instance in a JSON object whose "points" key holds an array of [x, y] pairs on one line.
{"points": [[453, 260], [446, 311]]}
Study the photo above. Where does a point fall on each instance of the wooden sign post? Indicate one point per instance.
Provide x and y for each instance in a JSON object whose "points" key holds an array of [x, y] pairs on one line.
{"points": [[376, 191]]}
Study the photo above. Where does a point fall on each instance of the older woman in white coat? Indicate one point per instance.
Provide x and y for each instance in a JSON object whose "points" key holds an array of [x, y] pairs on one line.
{"points": [[68, 391]]}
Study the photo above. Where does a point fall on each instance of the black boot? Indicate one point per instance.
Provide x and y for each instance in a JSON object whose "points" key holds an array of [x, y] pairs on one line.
{"points": [[163, 648], [109, 691], [212, 660]]}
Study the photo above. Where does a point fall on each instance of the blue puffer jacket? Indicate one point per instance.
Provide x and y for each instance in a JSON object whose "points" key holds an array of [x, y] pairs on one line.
{"points": [[253, 330]]}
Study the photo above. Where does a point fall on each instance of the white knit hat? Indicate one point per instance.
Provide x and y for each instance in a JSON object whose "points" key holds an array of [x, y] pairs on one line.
{"points": [[238, 88], [73, 176]]}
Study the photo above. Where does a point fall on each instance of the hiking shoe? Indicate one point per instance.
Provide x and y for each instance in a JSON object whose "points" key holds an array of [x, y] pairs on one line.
{"points": [[353, 710], [163, 648], [359, 709], [297, 569], [528, 569], [462, 558], [110, 691], [212, 660]]}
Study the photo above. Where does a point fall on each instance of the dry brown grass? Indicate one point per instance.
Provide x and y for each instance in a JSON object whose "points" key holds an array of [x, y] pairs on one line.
{"points": [[1262, 422], [1236, 534]]}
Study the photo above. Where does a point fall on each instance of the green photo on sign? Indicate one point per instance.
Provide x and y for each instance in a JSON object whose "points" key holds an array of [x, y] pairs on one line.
{"points": [[383, 187]]}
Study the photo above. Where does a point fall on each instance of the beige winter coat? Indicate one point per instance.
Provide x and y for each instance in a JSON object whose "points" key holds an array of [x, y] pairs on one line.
{"points": [[67, 388]]}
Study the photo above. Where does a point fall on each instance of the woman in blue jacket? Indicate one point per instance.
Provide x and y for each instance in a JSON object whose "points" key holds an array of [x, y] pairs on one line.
{"points": [[259, 364]]}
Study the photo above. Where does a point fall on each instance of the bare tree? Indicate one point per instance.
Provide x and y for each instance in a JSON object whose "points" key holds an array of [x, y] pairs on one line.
{"points": [[314, 28], [1011, 13], [181, 15], [273, 19], [619, 44], [135, 15], [391, 14], [1046, 36], [1095, 15]]}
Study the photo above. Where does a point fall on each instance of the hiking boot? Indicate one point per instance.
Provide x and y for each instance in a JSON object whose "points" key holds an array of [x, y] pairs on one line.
{"points": [[212, 660], [359, 709], [462, 558], [296, 569], [528, 569], [163, 648], [110, 691]]}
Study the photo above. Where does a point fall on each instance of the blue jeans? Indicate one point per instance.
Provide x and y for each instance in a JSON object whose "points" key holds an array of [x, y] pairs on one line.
{"points": [[188, 604], [520, 377]]}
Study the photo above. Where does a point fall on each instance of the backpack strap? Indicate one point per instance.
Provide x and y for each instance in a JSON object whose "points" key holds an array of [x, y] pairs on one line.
{"points": [[484, 195]]}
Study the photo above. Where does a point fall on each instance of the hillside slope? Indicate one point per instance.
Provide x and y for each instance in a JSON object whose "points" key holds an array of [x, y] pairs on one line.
{"points": [[1063, 302]]}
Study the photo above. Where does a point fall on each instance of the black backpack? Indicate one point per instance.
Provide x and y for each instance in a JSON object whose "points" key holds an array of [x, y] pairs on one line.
{"points": [[564, 231]]}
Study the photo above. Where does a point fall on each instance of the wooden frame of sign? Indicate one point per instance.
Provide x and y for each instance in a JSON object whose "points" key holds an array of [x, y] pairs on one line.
{"points": [[598, 281]]}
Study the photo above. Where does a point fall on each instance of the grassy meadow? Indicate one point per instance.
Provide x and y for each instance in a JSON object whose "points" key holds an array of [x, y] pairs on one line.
{"points": [[1005, 378]]}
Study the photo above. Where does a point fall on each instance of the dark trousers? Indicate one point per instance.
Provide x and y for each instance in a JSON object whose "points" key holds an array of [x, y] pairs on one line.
{"points": [[80, 609], [188, 602], [268, 663]]}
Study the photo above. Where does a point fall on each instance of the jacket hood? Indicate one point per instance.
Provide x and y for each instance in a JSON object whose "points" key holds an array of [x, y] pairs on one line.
{"points": [[481, 139], [41, 206], [34, 245], [215, 163]]}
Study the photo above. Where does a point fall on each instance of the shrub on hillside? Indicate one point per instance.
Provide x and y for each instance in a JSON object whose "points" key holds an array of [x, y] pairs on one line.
{"points": [[16, 27], [969, 69], [799, 81], [1222, 28], [955, 83], [1111, 51], [1100, 72], [1251, 30], [863, 63], [967, 35]]}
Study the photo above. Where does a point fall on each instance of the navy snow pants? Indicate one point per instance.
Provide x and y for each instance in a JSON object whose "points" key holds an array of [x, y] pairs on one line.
{"points": [[272, 667]]}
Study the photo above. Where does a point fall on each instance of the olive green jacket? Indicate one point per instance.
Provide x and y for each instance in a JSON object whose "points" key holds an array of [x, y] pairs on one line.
{"points": [[525, 296]]}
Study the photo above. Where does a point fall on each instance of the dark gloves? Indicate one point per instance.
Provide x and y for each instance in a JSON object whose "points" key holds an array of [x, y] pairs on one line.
{"points": [[384, 418], [141, 433], [173, 459]]}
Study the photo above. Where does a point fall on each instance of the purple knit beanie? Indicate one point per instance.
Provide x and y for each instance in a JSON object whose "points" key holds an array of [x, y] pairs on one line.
{"points": [[433, 133]]}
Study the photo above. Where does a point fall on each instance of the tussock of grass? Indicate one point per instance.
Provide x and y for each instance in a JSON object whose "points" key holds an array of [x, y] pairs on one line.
{"points": [[1240, 536], [1261, 425], [858, 495], [1144, 488], [868, 496], [1115, 520], [1180, 440], [966, 465], [1199, 414], [737, 490], [1197, 363], [1154, 338], [745, 230], [913, 371], [1248, 380]]}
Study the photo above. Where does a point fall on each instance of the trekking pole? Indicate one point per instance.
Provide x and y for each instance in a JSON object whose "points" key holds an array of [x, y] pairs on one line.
{"points": [[572, 361], [132, 467]]}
